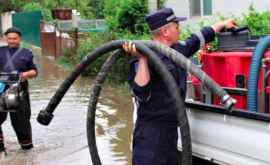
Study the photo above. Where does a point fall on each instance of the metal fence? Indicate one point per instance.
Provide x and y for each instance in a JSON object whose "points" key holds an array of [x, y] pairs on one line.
{"points": [[98, 25]]}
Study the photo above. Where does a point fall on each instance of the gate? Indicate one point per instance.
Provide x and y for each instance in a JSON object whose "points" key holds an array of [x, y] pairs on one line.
{"points": [[29, 23]]}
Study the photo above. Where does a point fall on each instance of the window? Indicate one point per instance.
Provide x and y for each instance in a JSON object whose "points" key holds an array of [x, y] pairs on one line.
{"points": [[195, 7], [200, 7], [207, 7]]}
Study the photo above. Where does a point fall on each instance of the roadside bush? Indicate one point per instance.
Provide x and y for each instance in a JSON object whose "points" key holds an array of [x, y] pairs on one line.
{"points": [[117, 12], [95, 40], [34, 6], [258, 22]]}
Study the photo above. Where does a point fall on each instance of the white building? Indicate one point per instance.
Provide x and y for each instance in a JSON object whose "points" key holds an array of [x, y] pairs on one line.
{"points": [[195, 8], [5, 21]]}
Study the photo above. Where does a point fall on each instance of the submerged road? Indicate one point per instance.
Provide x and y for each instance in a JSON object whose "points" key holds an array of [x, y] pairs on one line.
{"points": [[64, 141]]}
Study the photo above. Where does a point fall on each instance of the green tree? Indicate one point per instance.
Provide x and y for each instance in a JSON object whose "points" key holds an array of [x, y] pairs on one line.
{"points": [[135, 11], [16, 5], [111, 7], [126, 15], [35, 6], [6, 6], [258, 22], [97, 7]]}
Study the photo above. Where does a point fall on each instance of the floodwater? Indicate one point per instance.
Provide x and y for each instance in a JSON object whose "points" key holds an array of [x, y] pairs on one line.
{"points": [[64, 141]]}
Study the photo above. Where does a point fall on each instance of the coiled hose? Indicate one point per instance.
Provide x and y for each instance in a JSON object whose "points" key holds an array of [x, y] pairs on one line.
{"points": [[185, 63], [257, 56], [162, 70], [91, 112], [46, 115]]}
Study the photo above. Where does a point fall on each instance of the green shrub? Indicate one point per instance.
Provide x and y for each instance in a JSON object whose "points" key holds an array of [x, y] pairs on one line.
{"points": [[111, 7], [126, 15], [116, 14], [94, 41], [135, 11], [6, 6], [35, 6], [258, 22]]}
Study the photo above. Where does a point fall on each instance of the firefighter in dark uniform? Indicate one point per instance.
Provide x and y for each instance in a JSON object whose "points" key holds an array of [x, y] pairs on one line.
{"points": [[155, 134], [13, 58]]}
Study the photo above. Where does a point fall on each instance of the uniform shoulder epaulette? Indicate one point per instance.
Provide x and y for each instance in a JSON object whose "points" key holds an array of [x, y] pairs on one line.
{"points": [[27, 49], [183, 43], [3, 47]]}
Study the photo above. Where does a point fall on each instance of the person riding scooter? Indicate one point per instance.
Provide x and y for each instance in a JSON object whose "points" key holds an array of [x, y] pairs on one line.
{"points": [[13, 58]]}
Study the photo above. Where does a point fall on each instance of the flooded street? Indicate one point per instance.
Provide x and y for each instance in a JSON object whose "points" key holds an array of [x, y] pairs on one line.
{"points": [[64, 141]]}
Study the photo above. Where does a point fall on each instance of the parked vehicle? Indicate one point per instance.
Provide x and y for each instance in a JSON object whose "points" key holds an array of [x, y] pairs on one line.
{"points": [[241, 66]]}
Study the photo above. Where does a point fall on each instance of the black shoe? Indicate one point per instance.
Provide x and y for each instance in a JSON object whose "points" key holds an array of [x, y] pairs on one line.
{"points": [[2, 147], [27, 146]]}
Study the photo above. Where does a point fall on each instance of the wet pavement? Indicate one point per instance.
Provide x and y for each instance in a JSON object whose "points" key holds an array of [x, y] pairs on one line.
{"points": [[64, 141]]}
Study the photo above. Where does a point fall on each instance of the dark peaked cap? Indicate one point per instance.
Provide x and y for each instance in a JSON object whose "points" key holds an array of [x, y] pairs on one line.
{"points": [[162, 17]]}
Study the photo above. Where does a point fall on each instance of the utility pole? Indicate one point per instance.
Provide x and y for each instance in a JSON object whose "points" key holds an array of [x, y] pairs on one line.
{"points": [[76, 4], [158, 4], [75, 24]]}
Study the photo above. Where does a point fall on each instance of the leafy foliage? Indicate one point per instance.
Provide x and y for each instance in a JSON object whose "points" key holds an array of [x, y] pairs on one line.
{"points": [[126, 15], [34, 6], [83, 6], [10, 5], [135, 11], [258, 22]]}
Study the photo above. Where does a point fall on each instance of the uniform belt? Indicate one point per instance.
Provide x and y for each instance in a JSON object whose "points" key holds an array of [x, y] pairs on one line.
{"points": [[157, 123]]}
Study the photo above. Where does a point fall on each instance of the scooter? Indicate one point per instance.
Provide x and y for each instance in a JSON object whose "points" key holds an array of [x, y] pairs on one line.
{"points": [[10, 91]]}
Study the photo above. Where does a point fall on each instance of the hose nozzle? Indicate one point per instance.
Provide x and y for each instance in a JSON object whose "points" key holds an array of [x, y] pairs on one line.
{"points": [[228, 102], [44, 117]]}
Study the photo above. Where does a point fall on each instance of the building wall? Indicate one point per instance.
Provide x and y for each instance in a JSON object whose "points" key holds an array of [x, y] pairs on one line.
{"points": [[180, 7], [152, 5], [239, 6], [6, 19], [225, 7]]}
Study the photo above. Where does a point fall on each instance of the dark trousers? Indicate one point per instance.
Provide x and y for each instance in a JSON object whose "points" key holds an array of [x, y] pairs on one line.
{"points": [[154, 145], [20, 121]]}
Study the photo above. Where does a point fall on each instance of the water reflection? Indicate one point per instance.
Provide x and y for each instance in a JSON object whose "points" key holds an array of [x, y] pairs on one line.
{"points": [[64, 140]]}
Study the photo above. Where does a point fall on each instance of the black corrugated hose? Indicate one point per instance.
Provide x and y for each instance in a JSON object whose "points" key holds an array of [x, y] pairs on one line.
{"points": [[91, 112], [46, 115], [185, 63]]}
